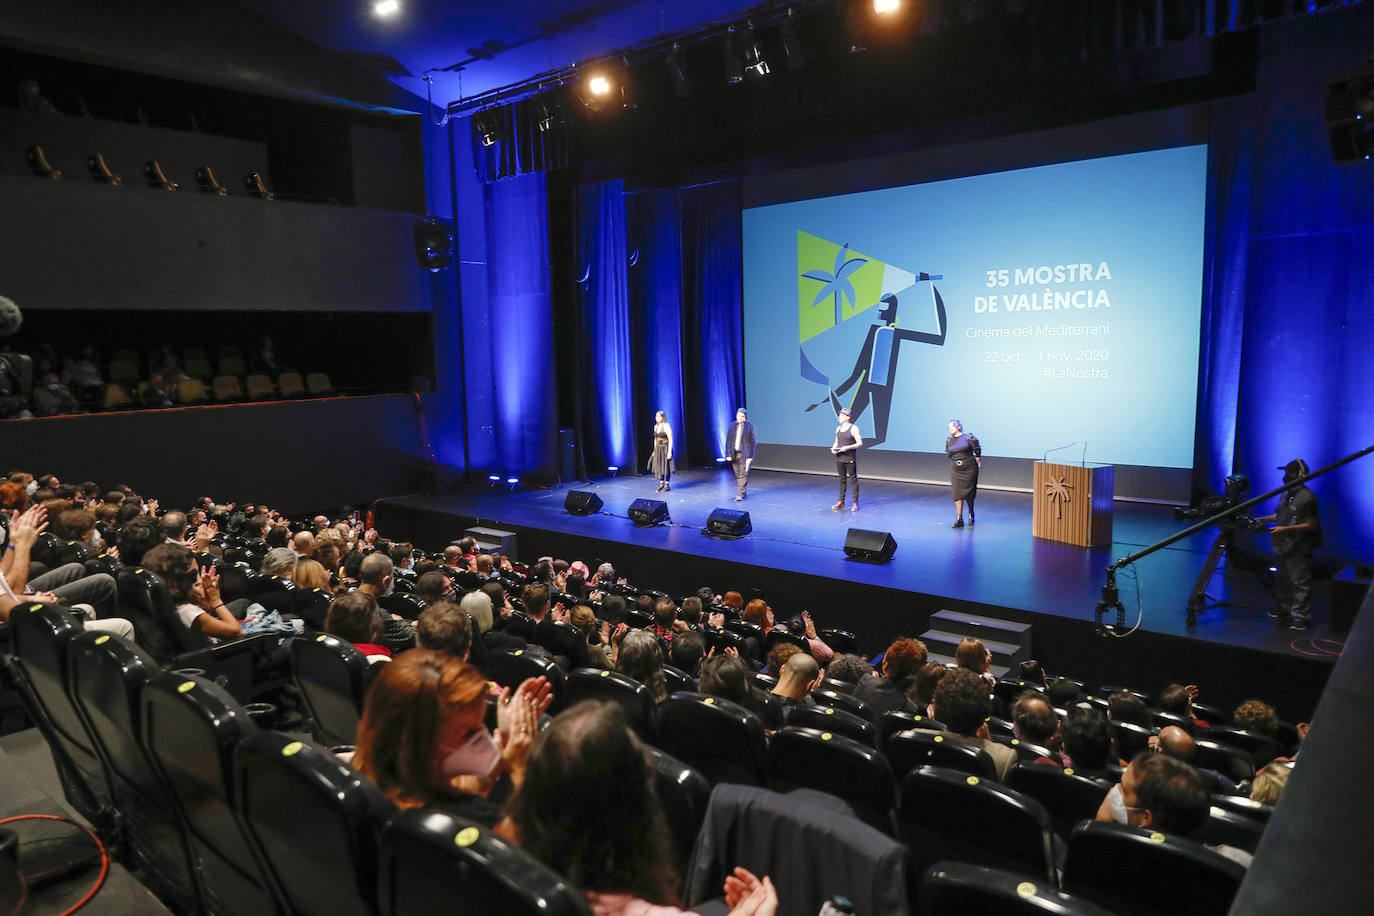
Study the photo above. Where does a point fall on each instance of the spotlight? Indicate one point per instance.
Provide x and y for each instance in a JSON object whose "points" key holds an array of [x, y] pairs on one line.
{"points": [[547, 113], [512, 482], [595, 91], [386, 8], [886, 6], [677, 72], [722, 460], [493, 480], [599, 85], [754, 63], [491, 126], [612, 469], [1349, 106]]}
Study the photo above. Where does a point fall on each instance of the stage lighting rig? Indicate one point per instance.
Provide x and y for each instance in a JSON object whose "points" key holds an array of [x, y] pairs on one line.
{"points": [[754, 63], [491, 125], [1349, 107]]}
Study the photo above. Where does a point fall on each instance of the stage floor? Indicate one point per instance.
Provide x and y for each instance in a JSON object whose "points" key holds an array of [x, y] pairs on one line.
{"points": [[997, 563]]}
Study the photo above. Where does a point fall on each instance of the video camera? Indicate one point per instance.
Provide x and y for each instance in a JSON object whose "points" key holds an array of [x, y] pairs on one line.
{"points": [[1235, 488]]}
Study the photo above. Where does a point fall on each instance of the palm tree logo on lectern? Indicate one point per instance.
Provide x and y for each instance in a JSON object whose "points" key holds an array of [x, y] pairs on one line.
{"points": [[837, 284], [1057, 492]]}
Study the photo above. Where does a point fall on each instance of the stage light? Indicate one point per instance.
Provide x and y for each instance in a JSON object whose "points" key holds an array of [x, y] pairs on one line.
{"points": [[386, 8], [548, 114], [491, 126], [493, 479], [1349, 113], [612, 470], [512, 480], [722, 460], [754, 63], [886, 6], [599, 85]]}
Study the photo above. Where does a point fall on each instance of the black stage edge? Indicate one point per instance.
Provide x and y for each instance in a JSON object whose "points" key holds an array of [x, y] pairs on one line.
{"points": [[795, 556]]}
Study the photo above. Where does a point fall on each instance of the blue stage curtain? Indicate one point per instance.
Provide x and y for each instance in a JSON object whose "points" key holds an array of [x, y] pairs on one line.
{"points": [[1306, 382], [525, 413], [602, 253], [1231, 155], [656, 310], [713, 314]]}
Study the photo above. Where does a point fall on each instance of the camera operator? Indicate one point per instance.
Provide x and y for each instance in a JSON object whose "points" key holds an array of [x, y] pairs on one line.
{"points": [[1296, 534]]}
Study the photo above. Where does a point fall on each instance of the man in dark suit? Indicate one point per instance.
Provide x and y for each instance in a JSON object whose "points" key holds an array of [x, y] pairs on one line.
{"points": [[740, 444]]}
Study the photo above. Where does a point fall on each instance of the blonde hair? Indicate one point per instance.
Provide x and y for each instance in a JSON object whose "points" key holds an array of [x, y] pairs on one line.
{"points": [[310, 574], [1269, 783]]}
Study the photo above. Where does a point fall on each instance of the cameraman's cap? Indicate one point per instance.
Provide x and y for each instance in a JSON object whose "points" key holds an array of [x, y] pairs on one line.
{"points": [[1297, 464]]}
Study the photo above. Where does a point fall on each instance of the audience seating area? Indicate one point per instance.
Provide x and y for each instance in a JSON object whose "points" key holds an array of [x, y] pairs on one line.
{"points": [[219, 806], [54, 384]]}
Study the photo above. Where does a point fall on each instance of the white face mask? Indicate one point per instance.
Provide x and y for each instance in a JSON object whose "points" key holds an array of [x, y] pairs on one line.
{"points": [[478, 755], [96, 539], [31, 487]]}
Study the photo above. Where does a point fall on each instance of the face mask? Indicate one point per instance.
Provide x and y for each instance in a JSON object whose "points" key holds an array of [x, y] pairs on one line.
{"points": [[31, 487], [96, 539], [476, 756], [1117, 803]]}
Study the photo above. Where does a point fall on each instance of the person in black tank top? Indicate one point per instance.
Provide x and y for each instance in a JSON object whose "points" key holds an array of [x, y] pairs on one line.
{"points": [[847, 443]]}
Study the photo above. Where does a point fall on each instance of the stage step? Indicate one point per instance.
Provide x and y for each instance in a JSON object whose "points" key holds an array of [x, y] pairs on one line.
{"points": [[984, 628], [493, 540], [1004, 654], [998, 671]]}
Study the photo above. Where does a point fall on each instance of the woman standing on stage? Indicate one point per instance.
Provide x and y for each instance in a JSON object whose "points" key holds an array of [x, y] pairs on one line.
{"points": [[846, 447], [661, 461], [965, 457]]}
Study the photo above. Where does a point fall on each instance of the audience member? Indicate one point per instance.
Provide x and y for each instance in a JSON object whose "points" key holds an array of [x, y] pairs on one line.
{"points": [[778, 656], [588, 810], [1124, 706], [356, 618], [446, 627], [962, 706], [1164, 794], [1256, 716], [972, 655], [641, 657], [923, 692], [687, 651], [1178, 700], [1035, 721], [67, 585], [308, 573], [889, 693], [1268, 785], [848, 669], [195, 591], [1178, 744], [1087, 742], [1065, 692], [799, 676], [595, 633]]}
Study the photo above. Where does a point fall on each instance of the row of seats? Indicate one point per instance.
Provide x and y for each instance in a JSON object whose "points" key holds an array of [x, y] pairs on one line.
{"points": [[219, 816], [120, 395], [222, 816]]}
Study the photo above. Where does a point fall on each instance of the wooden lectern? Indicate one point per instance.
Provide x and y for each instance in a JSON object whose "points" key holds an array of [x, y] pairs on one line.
{"points": [[1073, 504]]}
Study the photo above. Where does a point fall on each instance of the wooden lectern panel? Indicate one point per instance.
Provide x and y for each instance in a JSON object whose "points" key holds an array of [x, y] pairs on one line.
{"points": [[1073, 504]]}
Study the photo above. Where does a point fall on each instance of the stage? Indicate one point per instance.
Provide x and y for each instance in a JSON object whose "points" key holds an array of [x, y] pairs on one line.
{"points": [[795, 555]]}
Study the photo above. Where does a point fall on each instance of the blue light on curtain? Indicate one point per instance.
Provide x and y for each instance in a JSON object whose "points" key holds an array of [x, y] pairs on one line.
{"points": [[656, 307], [525, 413], [713, 312], [1223, 318], [606, 305], [1306, 387]]}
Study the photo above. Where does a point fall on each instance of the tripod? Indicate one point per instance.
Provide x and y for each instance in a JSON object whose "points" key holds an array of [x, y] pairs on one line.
{"points": [[1198, 597]]}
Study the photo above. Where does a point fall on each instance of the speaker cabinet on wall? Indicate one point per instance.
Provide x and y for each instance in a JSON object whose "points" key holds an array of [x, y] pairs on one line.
{"points": [[648, 512], [727, 523], [869, 546], [582, 502]]}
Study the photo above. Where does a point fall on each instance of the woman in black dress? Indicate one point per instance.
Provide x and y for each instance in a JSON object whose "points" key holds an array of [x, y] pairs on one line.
{"points": [[965, 457], [661, 460]]}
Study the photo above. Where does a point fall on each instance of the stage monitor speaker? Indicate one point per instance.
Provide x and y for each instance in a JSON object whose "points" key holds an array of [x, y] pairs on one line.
{"points": [[869, 546], [582, 502], [648, 512], [728, 523]]}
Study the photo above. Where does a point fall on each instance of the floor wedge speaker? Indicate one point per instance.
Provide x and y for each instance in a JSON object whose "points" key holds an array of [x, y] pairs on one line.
{"points": [[582, 502], [869, 546], [728, 523], [648, 512]]}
